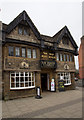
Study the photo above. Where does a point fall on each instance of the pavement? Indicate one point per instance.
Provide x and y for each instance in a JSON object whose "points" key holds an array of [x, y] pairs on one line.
{"points": [[66, 104]]}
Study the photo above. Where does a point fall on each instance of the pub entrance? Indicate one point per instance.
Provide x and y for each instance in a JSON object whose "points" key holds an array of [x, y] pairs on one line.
{"points": [[44, 81]]}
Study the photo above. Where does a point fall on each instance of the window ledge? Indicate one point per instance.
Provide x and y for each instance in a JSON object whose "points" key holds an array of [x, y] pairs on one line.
{"points": [[67, 84], [22, 88]]}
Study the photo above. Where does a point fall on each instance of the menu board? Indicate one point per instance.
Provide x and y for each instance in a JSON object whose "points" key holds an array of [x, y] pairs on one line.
{"points": [[61, 85]]}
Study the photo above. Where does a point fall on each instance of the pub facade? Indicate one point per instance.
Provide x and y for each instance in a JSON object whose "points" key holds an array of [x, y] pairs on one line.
{"points": [[30, 59]]}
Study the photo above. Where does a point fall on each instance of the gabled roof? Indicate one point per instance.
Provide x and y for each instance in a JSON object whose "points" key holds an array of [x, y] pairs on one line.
{"points": [[23, 16], [57, 37], [47, 38]]}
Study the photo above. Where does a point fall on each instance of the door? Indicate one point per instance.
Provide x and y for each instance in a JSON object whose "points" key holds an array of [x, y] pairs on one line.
{"points": [[44, 81]]}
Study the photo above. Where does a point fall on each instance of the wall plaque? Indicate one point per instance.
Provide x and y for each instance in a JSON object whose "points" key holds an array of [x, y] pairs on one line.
{"points": [[24, 65], [66, 67]]}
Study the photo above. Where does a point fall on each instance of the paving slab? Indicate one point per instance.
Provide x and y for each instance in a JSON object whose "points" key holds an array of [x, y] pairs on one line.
{"points": [[66, 104]]}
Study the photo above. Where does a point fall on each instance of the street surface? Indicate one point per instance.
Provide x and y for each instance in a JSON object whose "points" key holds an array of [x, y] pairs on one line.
{"points": [[66, 104]]}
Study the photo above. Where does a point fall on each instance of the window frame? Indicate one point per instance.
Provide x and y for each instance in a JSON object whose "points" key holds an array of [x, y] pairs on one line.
{"points": [[12, 51], [67, 58], [57, 57], [67, 79], [30, 53], [61, 57], [20, 28], [33, 53], [22, 53], [19, 51], [24, 82], [71, 58]]}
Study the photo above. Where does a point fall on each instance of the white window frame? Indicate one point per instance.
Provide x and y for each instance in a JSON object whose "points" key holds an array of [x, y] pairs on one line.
{"points": [[24, 76], [67, 77]]}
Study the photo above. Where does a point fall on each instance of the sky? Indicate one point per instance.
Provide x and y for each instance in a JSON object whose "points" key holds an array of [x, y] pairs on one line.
{"points": [[49, 16]]}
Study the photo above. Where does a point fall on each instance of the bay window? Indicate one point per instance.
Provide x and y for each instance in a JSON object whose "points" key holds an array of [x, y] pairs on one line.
{"points": [[66, 77], [22, 80]]}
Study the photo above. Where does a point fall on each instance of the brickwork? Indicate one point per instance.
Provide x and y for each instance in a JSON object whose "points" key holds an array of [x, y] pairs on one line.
{"points": [[81, 58]]}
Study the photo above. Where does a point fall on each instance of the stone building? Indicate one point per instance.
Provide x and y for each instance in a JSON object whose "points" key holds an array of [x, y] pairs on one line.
{"points": [[31, 59], [81, 57]]}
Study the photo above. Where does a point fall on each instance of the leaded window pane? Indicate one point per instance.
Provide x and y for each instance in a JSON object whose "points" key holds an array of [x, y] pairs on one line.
{"points": [[23, 52], [11, 51], [29, 53], [34, 53], [17, 51]]}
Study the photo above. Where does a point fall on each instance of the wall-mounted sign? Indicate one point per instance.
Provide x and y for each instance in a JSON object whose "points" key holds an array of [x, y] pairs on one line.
{"points": [[48, 64], [24, 65], [66, 67]]}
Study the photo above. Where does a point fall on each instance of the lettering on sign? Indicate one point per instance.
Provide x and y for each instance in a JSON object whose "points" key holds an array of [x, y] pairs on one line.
{"points": [[48, 64]]}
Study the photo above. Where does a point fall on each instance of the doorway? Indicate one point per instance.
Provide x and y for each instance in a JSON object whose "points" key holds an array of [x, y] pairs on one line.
{"points": [[44, 81]]}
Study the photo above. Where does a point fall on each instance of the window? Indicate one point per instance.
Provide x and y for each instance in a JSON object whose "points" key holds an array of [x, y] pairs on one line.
{"points": [[11, 51], [23, 52], [25, 31], [71, 58], [22, 80], [64, 57], [66, 77], [61, 57], [65, 40], [29, 53], [17, 51], [68, 58], [34, 53], [20, 30], [57, 56]]}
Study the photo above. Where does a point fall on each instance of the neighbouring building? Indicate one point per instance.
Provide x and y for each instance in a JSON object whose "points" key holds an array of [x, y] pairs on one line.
{"points": [[81, 57], [31, 59]]}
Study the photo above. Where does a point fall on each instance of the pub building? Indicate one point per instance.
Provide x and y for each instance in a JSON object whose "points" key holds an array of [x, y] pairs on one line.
{"points": [[30, 59]]}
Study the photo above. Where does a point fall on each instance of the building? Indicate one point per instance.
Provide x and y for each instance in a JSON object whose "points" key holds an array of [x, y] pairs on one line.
{"points": [[31, 59], [81, 57]]}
